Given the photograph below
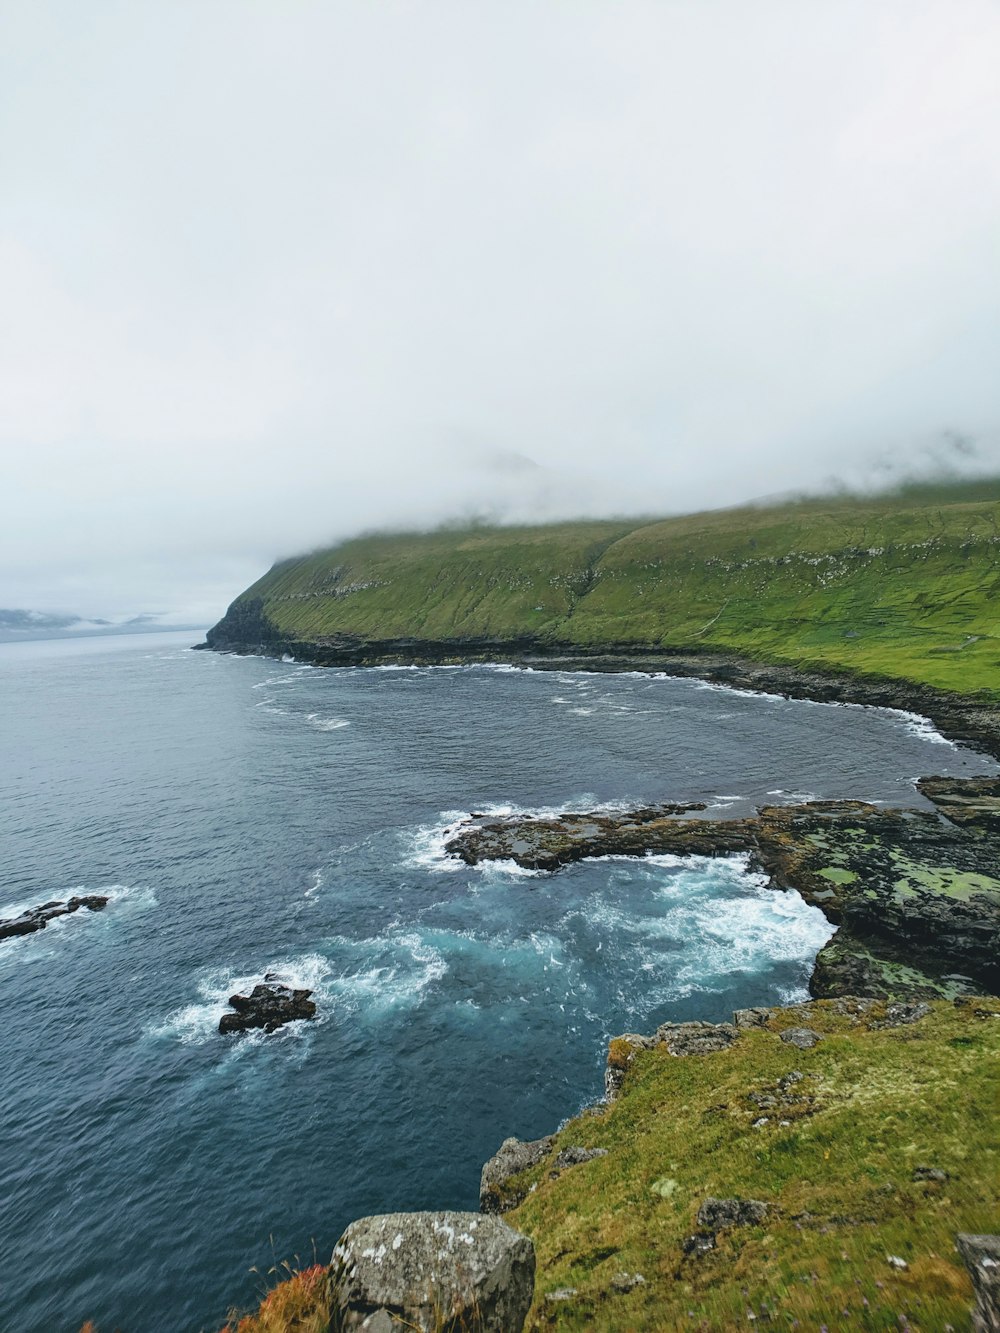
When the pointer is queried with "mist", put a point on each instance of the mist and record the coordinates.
(274, 274)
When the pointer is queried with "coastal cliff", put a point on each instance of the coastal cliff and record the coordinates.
(902, 588)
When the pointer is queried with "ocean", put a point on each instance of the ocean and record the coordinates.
(247, 816)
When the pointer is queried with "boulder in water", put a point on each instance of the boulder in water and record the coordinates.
(268, 1006)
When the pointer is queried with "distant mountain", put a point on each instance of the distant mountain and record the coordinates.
(17, 625)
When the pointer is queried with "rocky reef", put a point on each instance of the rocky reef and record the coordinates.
(915, 894)
(37, 918)
(268, 1006)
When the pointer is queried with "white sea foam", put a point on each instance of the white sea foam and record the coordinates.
(326, 723)
(717, 918)
(716, 688)
(921, 726)
(199, 1022)
(427, 844)
(384, 972)
(287, 678)
(268, 705)
(506, 668)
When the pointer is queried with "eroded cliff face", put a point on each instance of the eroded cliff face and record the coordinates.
(246, 628)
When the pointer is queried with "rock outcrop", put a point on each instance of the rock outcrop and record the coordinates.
(445, 1272)
(679, 1039)
(981, 1255)
(268, 1006)
(511, 1158)
(916, 899)
(720, 1214)
(37, 918)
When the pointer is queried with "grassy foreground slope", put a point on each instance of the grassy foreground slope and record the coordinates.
(870, 1151)
(841, 1142)
(905, 587)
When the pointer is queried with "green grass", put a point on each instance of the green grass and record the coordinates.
(904, 587)
(838, 1178)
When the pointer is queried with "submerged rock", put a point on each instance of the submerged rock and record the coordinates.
(268, 1006)
(443, 1271)
(512, 1157)
(37, 918)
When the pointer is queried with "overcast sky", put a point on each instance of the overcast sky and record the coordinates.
(275, 272)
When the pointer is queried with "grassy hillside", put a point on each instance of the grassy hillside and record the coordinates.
(837, 1160)
(906, 587)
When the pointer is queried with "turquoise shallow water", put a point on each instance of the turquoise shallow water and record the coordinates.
(249, 816)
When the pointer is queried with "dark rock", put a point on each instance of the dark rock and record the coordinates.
(764, 1101)
(511, 1158)
(37, 918)
(931, 1173)
(969, 802)
(574, 1156)
(981, 1256)
(268, 1006)
(700, 1243)
(719, 1214)
(448, 1272)
(916, 899)
(802, 1038)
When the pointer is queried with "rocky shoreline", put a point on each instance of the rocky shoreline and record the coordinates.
(915, 895)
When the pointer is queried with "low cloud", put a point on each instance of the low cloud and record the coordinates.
(278, 274)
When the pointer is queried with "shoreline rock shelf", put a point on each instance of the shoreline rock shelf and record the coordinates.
(914, 894)
(37, 918)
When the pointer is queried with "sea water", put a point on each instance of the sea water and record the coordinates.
(247, 816)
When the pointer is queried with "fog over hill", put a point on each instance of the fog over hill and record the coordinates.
(278, 275)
